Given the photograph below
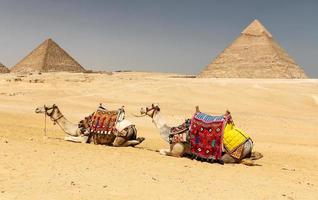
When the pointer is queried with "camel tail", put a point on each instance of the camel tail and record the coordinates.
(256, 155)
(251, 160)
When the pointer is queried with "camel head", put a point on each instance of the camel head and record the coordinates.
(52, 111)
(150, 111)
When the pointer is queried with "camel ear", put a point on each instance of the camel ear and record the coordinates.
(152, 105)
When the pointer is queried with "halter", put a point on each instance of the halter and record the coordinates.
(153, 109)
(53, 108)
(55, 120)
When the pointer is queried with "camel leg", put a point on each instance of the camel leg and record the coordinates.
(77, 139)
(176, 150)
(130, 138)
(165, 152)
(131, 143)
(122, 142)
(248, 146)
(228, 159)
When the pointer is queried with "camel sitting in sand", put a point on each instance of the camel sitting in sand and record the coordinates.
(125, 132)
(180, 149)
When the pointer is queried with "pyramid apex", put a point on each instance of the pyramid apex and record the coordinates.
(49, 40)
(256, 28)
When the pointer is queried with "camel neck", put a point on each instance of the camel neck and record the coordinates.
(161, 124)
(67, 126)
(158, 120)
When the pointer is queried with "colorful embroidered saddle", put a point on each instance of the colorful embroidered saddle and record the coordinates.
(206, 135)
(104, 122)
(180, 133)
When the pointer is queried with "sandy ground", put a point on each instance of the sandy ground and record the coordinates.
(280, 115)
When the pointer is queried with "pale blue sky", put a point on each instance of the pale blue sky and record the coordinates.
(154, 35)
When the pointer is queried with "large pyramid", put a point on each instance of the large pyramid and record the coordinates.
(3, 69)
(254, 54)
(48, 57)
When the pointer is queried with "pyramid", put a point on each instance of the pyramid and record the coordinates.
(3, 69)
(48, 57)
(254, 54)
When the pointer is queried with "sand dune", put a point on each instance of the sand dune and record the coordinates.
(280, 115)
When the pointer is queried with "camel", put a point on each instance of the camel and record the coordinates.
(126, 131)
(182, 149)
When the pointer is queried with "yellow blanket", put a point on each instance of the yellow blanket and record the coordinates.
(233, 138)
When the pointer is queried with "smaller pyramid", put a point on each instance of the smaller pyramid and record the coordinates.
(48, 57)
(3, 69)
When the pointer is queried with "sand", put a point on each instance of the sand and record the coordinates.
(280, 115)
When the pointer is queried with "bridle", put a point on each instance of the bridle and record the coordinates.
(54, 108)
(151, 111)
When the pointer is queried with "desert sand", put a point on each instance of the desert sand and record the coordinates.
(281, 116)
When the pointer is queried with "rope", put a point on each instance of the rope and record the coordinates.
(45, 124)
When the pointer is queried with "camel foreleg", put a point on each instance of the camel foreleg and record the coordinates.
(122, 142)
(77, 139)
(176, 150)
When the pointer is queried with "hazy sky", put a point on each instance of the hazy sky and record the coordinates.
(154, 35)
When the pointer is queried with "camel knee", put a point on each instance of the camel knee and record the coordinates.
(177, 150)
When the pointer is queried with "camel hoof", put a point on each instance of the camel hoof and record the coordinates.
(140, 139)
(163, 152)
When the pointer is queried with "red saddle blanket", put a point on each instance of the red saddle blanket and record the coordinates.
(104, 121)
(206, 135)
(180, 133)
